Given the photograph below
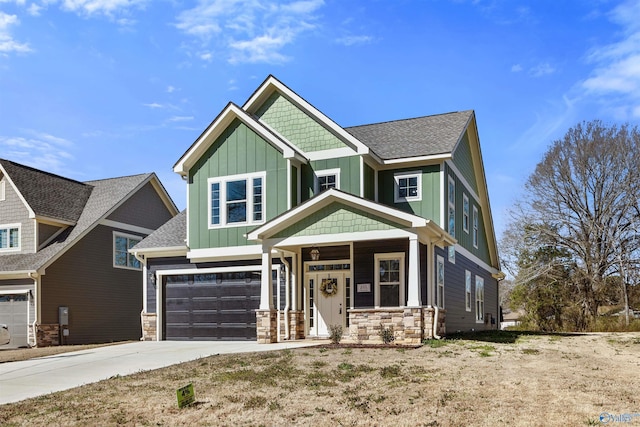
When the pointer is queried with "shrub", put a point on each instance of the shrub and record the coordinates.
(335, 333)
(387, 335)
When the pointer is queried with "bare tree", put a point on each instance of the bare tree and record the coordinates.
(583, 198)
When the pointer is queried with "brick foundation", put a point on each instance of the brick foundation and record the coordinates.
(48, 335)
(266, 326)
(149, 326)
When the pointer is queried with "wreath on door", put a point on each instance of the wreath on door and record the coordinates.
(329, 287)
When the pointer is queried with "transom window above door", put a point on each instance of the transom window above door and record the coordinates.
(326, 179)
(236, 200)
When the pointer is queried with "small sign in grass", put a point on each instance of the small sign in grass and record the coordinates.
(186, 396)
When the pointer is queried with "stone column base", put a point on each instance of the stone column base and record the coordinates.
(149, 326)
(48, 335)
(410, 325)
(428, 322)
(266, 326)
(296, 325)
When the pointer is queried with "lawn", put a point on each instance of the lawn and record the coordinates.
(489, 380)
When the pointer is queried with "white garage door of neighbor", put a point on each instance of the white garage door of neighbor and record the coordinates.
(13, 313)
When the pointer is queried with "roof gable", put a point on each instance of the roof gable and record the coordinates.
(47, 195)
(414, 138)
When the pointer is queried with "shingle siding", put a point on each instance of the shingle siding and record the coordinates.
(14, 211)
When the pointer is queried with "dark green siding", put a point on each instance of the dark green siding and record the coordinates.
(369, 182)
(428, 207)
(238, 150)
(349, 174)
(464, 162)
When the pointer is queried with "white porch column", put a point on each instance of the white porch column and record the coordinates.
(414, 299)
(430, 273)
(294, 281)
(266, 291)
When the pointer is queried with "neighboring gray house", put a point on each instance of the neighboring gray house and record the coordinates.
(294, 224)
(65, 273)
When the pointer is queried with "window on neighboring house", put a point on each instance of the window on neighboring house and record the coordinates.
(407, 187)
(440, 282)
(467, 290)
(389, 280)
(121, 256)
(10, 237)
(475, 227)
(479, 299)
(326, 179)
(465, 213)
(236, 200)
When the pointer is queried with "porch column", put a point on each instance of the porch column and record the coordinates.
(414, 299)
(266, 288)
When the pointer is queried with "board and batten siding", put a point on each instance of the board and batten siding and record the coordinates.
(428, 207)
(464, 162)
(238, 150)
(349, 175)
(104, 302)
(145, 209)
(458, 318)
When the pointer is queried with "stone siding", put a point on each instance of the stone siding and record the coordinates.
(149, 326)
(296, 325)
(48, 335)
(266, 326)
(410, 325)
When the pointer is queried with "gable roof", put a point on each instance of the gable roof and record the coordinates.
(417, 137)
(106, 196)
(48, 195)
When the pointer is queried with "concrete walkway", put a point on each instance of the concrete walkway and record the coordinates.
(36, 377)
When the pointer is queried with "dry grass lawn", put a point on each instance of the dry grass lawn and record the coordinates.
(501, 379)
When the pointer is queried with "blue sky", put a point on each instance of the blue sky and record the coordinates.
(100, 88)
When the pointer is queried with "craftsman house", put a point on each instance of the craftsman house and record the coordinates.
(294, 224)
(65, 273)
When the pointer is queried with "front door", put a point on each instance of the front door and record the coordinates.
(326, 301)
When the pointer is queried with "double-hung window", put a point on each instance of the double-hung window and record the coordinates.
(475, 227)
(236, 200)
(479, 299)
(389, 280)
(467, 290)
(121, 256)
(10, 237)
(326, 179)
(407, 187)
(451, 202)
(465, 213)
(440, 282)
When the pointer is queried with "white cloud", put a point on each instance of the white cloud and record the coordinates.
(7, 43)
(249, 30)
(170, 89)
(154, 105)
(616, 76)
(541, 70)
(181, 118)
(42, 151)
(104, 7)
(354, 40)
(516, 68)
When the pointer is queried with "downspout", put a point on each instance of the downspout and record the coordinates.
(287, 296)
(34, 324)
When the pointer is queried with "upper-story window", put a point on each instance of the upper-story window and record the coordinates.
(236, 200)
(475, 227)
(407, 187)
(10, 237)
(2, 190)
(121, 256)
(451, 202)
(326, 179)
(465, 213)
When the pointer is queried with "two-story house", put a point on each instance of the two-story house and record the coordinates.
(294, 224)
(66, 276)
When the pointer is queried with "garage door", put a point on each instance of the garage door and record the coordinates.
(13, 313)
(211, 306)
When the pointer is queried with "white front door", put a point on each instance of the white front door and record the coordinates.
(326, 301)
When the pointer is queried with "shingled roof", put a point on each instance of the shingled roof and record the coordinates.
(171, 234)
(48, 195)
(106, 196)
(421, 136)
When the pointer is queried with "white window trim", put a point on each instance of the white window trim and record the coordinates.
(9, 227)
(475, 227)
(467, 290)
(322, 173)
(479, 299)
(127, 236)
(222, 180)
(387, 257)
(465, 212)
(396, 186)
(440, 261)
(3, 189)
(451, 204)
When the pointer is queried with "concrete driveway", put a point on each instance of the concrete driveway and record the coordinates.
(35, 377)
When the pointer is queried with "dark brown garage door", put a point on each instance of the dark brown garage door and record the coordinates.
(211, 306)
